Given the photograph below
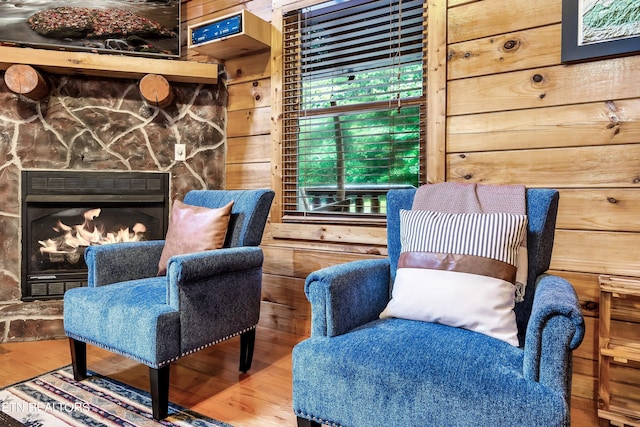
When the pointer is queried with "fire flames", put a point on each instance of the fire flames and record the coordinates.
(89, 233)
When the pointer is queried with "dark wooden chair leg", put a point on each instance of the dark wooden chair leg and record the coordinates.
(159, 391)
(247, 342)
(78, 359)
(303, 422)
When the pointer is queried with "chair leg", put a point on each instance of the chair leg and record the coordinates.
(303, 422)
(78, 359)
(159, 391)
(247, 342)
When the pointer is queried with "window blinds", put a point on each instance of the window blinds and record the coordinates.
(353, 107)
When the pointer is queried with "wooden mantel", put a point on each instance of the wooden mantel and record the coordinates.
(104, 65)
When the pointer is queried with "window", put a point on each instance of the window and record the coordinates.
(353, 106)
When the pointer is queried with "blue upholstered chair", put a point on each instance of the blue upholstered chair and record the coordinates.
(204, 298)
(359, 370)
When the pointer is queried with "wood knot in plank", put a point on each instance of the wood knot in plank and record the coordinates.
(511, 45)
(537, 78)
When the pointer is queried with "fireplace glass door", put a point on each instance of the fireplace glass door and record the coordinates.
(57, 228)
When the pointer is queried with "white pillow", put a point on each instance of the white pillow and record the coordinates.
(459, 270)
(470, 301)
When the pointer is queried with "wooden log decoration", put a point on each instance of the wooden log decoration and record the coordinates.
(27, 81)
(156, 90)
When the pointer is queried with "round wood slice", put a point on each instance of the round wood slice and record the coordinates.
(25, 80)
(156, 90)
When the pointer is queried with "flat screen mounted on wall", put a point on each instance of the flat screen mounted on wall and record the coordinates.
(136, 27)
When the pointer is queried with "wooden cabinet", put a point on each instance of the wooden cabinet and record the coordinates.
(619, 358)
(231, 36)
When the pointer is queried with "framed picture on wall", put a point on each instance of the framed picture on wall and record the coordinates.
(598, 29)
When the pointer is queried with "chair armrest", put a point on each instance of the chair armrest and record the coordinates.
(119, 262)
(555, 329)
(348, 295)
(190, 269)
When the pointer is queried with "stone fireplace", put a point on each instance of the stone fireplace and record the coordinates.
(85, 125)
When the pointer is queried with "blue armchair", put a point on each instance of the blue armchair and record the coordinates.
(359, 370)
(206, 297)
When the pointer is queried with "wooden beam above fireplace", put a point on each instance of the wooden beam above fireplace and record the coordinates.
(114, 66)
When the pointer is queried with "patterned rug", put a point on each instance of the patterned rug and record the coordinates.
(56, 399)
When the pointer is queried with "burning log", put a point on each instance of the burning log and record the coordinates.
(25, 80)
(72, 240)
(156, 90)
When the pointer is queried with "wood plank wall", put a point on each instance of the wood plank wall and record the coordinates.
(514, 114)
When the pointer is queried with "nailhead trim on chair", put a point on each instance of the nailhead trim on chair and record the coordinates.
(166, 362)
(207, 345)
(316, 419)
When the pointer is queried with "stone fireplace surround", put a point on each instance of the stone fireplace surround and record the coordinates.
(96, 124)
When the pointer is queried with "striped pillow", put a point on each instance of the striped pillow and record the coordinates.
(459, 270)
(485, 244)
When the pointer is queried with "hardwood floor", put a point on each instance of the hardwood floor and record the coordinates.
(207, 381)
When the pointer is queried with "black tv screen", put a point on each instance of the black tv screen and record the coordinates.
(135, 27)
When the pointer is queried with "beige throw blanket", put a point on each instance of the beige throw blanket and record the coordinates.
(456, 198)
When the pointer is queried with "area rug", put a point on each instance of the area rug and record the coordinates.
(56, 399)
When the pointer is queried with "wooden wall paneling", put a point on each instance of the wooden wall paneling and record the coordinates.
(611, 209)
(331, 233)
(285, 304)
(598, 166)
(583, 412)
(453, 3)
(306, 262)
(197, 10)
(241, 70)
(288, 291)
(596, 252)
(583, 385)
(532, 48)
(249, 122)
(285, 318)
(278, 261)
(585, 362)
(203, 10)
(436, 96)
(244, 176)
(545, 87)
(490, 17)
(615, 121)
(585, 379)
(276, 110)
(249, 95)
(518, 115)
(255, 148)
(588, 350)
(370, 251)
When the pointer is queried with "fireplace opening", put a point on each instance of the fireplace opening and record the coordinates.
(64, 212)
